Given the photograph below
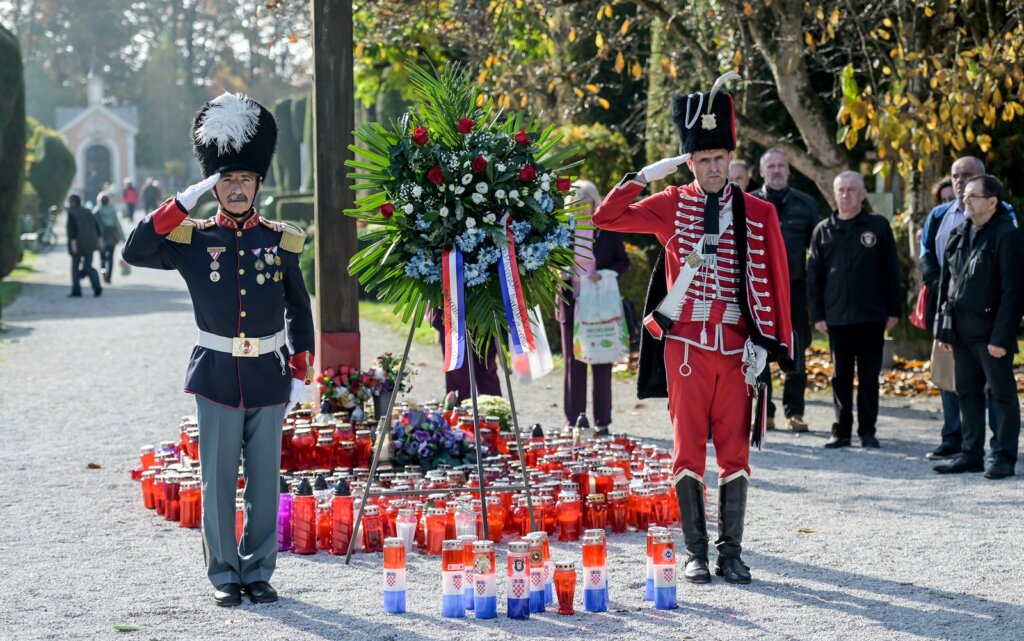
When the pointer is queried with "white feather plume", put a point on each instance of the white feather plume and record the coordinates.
(230, 122)
(724, 78)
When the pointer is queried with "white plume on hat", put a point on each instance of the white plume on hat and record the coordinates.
(229, 122)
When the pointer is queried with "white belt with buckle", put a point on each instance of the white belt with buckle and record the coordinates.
(244, 346)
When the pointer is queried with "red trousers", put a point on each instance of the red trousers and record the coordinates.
(707, 388)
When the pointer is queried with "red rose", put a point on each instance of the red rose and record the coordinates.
(387, 209)
(478, 165)
(563, 184)
(329, 373)
(522, 138)
(465, 125)
(323, 390)
(420, 136)
(319, 378)
(337, 380)
(527, 173)
(435, 176)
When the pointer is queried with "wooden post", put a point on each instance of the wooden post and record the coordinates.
(337, 293)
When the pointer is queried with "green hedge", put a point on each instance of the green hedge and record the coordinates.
(12, 149)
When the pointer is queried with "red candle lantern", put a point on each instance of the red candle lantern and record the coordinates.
(565, 586)
(304, 520)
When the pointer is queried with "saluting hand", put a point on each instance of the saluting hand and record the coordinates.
(190, 196)
(663, 168)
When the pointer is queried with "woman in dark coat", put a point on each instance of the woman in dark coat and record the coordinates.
(596, 250)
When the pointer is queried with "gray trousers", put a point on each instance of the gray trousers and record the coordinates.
(227, 435)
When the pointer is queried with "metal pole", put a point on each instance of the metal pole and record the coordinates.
(519, 440)
(379, 445)
(476, 434)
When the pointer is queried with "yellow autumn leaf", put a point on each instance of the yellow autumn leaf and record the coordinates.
(625, 27)
(592, 88)
(886, 70)
(572, 35)
(808, 39)
(599, 41)
(579, 92)
(604, 103)
(607, 11)
(620, 62)
(820, 13)
(887, 22)
(480, 100)
(928, 12)
(883, 34)
(600, 13)
(522, 103)
(551, 85)
(359, 50)
(637, 70)
(483, 76)
(834, 18)
(737, 58)
(748, 9)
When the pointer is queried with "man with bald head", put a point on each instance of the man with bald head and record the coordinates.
(853, 287)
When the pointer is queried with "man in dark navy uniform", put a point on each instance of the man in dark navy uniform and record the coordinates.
(254, 351)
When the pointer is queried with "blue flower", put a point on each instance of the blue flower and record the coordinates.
(488, 255)
(476, 274)
(422, 268)
(469, 239)
(520, 229)
(533, 256)
(422, 224)
(546, 204)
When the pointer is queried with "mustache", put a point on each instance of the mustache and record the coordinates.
(238, 198)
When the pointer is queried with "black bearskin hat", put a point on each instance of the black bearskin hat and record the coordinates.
(233, 132)
(706, 120)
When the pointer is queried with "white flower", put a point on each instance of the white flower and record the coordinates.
(443, 212)
(470, 223)
(408, 208)
(490, 218)
(537, 194)
(450, 187)
(501, 166)
(500, 194)
(465, 164)
(477, 198)
(520, 203)
(460, 189)
(545, 186)
(417, 191)
(481, 188)
(468, 178)
(545, 177)
(514, 194)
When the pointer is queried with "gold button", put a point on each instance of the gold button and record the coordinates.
(242, 314)
(241, 252)
(241, 272)
(243, 292)
(238, 233)
(241, 334)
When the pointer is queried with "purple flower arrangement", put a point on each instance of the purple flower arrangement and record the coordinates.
(423, 437)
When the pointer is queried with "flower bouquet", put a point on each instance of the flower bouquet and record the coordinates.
(422, 437)
(467, 212)
(344, 387)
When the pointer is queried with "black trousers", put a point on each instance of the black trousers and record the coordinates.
(107, 261)
(857, 347)
(81, 266)
(574, 388)
(974, 368)
(795, 384)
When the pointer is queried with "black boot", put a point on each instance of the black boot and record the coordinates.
(732, 509)
(690, 494)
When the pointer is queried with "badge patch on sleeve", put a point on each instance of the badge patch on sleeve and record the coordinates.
(868, 239)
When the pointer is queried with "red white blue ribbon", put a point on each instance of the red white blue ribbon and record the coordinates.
(453, 292)
(512, 293)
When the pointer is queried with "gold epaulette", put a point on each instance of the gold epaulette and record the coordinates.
(292, 238)
(182, 233)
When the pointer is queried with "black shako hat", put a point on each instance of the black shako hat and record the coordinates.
(706, 120)
(233, 132)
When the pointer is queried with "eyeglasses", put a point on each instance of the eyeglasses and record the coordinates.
(974, 197)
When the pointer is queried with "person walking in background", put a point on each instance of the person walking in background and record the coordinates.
(83, 233)
(151, 194)
(980, 302)
(596, 251)
(798, 214)
(854, 290)
(110, 232)
(739, 174)
(130, 198)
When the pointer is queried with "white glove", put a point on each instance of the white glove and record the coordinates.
(663, 168)
(188, 198)
(754, 360)
(298, 389)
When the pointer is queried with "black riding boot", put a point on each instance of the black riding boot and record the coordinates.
(732, 509)
(690, 494)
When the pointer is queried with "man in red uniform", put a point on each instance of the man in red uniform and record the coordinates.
(715, 318)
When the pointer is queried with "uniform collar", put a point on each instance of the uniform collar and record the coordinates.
(228, 222)
(696, 191)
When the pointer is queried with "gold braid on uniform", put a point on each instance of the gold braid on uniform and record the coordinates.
(182, 233)
(292, 238)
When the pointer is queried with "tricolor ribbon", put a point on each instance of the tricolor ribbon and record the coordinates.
(512, 293)
(453, 293)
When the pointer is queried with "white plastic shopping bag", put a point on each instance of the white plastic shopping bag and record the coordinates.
(599, 327)
(530, 366)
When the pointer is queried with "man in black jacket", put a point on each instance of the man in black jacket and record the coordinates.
(980, 307)
(853, 286)
(84, 239)
(798, 214)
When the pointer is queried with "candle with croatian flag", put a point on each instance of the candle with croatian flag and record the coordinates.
(549, 570)
(664, 554)
(467, 566)
(485, 602)
(394, 575)
(649, 588)
(452, 576)
(518, 587)
(595, 574)
(536, 574)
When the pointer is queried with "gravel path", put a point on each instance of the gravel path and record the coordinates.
(843, 545)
